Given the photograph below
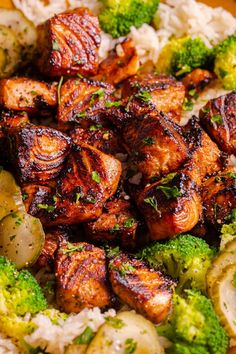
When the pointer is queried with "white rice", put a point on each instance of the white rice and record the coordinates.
(7, 346)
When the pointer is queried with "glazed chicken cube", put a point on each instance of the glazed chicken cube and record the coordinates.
(38, 153)
(171, 205)
(197, 80)
(144, 290)
(10, 120)
(154, 141)
(68, 44)
(117, 224)
(121, 63)
(103, 139)
(219, 197)
(218, 117)
(164, 92)
(24, 94)
(83, 101)
(81, 277)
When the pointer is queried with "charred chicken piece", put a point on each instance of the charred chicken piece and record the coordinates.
(10, 120)
(38, 153)
(154, 141)
(121, 63)
(205, 155)
(103, 139)
(171, 205)
(83, 101)
(143, 289)
(81, 277)
(117, 224)
(68, 44)
(24, 94)
(197, 80)
(218, 117)
(219, 197)
(53, 239)
(164, 92)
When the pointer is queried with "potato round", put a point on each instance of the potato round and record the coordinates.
(21, 238)
(127, 332)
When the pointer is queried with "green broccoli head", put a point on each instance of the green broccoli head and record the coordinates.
(193, 327)
(118, 16)
(185, 258)
(182, 55)
(19, 291)
(225, 62)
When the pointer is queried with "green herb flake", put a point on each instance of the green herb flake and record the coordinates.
(95, 127)
(232, 175)
(90, 199)
(77, 197)
(55, 45)
(130, 346)
(110, 104)
(125, 268)
(112, 251)
(85, 337)
(217, 119)
(188, 104)
(148, 141)
(48, 208)
(151, 201)
(71, 248)
(99, 94)
(59, 89)
(170, 192)
(114, 322)
(168, 178)
(129, 223)
(206, 110)
(34, 93)
(96, 177)
(115, 228)
(25, 196)
(81, 114)
(143, 96)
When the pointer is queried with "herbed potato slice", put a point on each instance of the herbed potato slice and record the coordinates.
(23, 28)
(11, 50)
(21, 238)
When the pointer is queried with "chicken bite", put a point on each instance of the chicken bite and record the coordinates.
(24, 94)
(143, 289)
(163, 91)
(218, 117)
(197, 80)
(68, 44)
(81, 277)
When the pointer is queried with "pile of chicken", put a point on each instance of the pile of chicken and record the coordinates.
(72, 180)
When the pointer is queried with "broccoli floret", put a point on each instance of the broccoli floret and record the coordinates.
(19, 291)
(118, 16)
(185, 258)
(225, 62)
(228, 233)
(182, 55)
(193, 327)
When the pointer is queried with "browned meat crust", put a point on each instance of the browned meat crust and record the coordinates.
(24, 94)
(166, 93)
(197, 80)
(41, 152)
(218, 117)
(81, 277)
(121, 63)
(68, 44)
(83, 101)
(143, 289)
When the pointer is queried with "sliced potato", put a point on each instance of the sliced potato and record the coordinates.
(11, 49)
(21, 238)
(225, 258)
(10, 203)
(8, 183)
(127, 332)
(23, 28)
(223, 297)
(3, 60)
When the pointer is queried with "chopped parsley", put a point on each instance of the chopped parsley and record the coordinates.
(48, 208)
(217, 119)
(110, 104)
(97, 94)
(129, 222)
(90, 199)
(25, 196)
(55, 45)
(193, 93)
(95, 127)
(170, 192)
(231, 216)
(188, 104)
(85, 337)
(115, 228)
(81, 114)
(96, 177)
(148, 141)
(143, 96)
(125, 268)
(77, 197)
(206, 110)
(232, 175)
(71, 248)
(130, 346)
(18, 221)
(59, 89)
(168, 178)
(151, 201)
(114, 322)
(112, 252)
